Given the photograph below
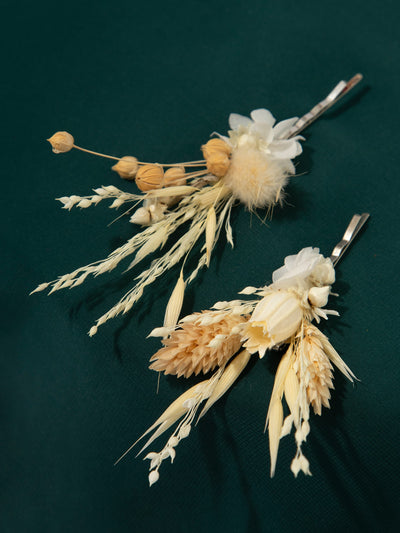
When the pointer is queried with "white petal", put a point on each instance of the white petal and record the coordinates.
(235, 121)
(263, 130)
(263, 116)
(285, 149)
(283, 126)
(296, 267)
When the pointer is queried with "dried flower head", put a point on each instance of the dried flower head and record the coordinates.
(61, 142)
(126, 167)
(274, 320)
(261, 157)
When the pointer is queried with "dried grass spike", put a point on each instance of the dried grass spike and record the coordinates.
(187, 350)
(175, 304)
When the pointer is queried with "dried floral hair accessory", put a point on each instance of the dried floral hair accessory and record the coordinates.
(224, 338)
(251, 165)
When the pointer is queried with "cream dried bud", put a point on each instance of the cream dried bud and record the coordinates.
(61, 142)
(216, 153)
(318, 296)
(275, 319)
(323, 273)
(126, 167)
(149, 177)
(174, 176)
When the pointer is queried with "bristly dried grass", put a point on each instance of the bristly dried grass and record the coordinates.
(319, 371)
(194, 208)
(185, 408)
(174, 305)
(199, 348)
(304, 377)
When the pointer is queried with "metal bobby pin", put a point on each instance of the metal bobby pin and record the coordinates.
(342, 88)
(356, 223)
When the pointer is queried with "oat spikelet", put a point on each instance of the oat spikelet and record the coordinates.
(175, 303)
(197, 347)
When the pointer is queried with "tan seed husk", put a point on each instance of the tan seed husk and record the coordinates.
(126, 167)
(174, 176)
(61, 142)
(149, 177)
(216, 146)
(216, 153)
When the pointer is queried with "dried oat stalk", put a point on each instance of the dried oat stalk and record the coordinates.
(199, 346)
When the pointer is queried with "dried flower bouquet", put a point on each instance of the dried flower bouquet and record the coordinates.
(277, 315)
(251, 165)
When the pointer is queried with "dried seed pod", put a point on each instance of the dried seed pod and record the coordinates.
(149, 177)
(126, 167)
(174, 176)
(216, 153)
(218, 164)
(216, 146)
(61, 142)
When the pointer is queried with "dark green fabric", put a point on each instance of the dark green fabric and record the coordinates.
(154, 80)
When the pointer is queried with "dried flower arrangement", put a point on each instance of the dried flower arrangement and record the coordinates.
(278, 315)
(251, 165)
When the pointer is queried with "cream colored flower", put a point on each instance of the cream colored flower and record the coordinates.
(260, 131)
(261, 159)
(275, 320)
(304, 269)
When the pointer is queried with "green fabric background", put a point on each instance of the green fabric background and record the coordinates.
(154, 80)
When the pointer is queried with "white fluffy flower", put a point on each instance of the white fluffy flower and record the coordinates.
(261, 159)
(297, 268)
(305, 269)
